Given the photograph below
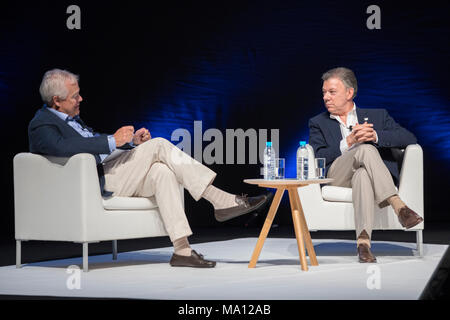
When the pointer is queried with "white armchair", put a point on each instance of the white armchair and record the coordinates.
(59, 199)
(331, 208)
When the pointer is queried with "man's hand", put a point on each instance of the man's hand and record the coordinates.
(141, 136)
(124, 135)
(361, 133)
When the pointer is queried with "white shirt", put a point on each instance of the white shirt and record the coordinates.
(352, 120)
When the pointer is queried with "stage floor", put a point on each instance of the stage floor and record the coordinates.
(145, 274)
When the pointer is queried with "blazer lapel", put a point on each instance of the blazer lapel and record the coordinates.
(361, 114)
(334, 129)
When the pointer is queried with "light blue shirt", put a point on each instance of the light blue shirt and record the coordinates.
(85, 132)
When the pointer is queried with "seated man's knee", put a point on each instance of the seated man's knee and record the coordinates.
(366, 148)
(154, 142)
(159, 139)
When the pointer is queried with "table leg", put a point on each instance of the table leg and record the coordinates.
(267, 224)
(306, 234)
(298, 230)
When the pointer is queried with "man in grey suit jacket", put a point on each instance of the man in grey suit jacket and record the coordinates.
(356, 143)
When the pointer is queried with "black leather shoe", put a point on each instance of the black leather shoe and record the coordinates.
(245, 205)
(195, 260)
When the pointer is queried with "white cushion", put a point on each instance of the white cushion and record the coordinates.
(338, 194)
(129, 203)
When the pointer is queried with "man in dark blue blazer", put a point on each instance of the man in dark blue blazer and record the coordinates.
(153, 167)
(49, 134)
(357, 145)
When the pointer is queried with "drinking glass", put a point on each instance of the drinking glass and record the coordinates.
(279, 168)
(320, 168)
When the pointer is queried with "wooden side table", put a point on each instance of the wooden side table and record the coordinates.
(300, 226)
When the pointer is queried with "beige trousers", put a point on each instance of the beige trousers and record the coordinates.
(157, 168)
(363, 170)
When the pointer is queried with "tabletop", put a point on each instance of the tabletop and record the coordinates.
(286, 182)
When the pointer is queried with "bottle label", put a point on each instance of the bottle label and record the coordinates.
(302, 168)
(269, 165)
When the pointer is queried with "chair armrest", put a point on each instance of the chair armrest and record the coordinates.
(411, 178)
(52, 194)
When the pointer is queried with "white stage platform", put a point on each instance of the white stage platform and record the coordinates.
(399, 273)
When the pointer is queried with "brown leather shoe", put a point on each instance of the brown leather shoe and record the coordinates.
(365, 255)
(245, 205)
(195, 260)
(408, 218)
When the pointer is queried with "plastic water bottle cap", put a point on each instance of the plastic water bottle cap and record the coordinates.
(302, 143)
(268, 144)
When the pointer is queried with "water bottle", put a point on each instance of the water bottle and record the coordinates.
(269, 162)
(302, 161)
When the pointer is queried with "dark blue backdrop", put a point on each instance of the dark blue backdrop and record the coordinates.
(243, 64)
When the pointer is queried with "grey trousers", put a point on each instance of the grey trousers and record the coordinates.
(363, 170)
(157, 168)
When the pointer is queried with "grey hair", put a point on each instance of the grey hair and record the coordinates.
(346, 75)
(53, 84)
